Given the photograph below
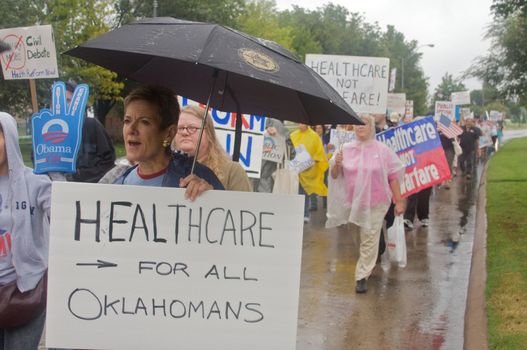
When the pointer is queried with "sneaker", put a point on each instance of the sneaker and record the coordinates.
(306, 220)
(425, 222)
(408, 224)
(361, 286)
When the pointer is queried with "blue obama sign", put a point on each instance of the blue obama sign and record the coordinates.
(57, 132)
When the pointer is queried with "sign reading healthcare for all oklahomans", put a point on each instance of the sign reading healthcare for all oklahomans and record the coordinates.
(253, 127)
(361, 81)
(418, 146)
(32, 54)
(57, 132)
(133, 267)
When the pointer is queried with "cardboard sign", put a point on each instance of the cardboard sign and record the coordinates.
(361, 81)
(445, 108)
(32, 54)
(134, 267)
(274, 148)
(339, 137)
(418, 146)
(253, 127)
(302, 160)
(460, 98)
(396, 104)
(57, 132)
(409, 109)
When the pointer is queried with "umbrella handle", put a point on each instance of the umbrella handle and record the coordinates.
(205, 115)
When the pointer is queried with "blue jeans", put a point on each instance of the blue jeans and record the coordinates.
(306, 200)
(24, 337)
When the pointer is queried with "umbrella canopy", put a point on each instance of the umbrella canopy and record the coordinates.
(233, 71)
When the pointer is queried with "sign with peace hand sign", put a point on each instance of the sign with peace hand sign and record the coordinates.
(57, 132)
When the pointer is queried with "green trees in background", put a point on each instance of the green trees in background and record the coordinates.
(330, 29)
(504, 69)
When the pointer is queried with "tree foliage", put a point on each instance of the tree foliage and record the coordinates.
(448, 85)
(330, 29)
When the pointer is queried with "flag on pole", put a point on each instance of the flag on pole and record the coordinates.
(448, 128)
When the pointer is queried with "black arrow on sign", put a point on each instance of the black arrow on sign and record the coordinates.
(99, 264)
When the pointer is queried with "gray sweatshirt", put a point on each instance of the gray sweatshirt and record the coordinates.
(30, 197)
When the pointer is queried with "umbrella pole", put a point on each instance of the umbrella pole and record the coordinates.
(205, 115)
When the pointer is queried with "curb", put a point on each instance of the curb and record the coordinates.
(475, 330)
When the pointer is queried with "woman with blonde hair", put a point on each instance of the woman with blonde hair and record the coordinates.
(370, 173)
(211, 153)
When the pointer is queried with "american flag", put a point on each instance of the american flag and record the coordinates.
(448, 128)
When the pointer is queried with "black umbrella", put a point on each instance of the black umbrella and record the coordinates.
(227, 69)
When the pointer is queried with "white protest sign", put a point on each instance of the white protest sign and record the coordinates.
(253, 128)
(460, 98)
(361, 81)
(32, 54)
(339, 137)
(396, 104)
(134, 267)
(302, 160)
(409, 109)
(443, 108)
(274, 148)
(495, 115)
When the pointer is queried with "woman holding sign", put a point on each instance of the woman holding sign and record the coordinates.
(211, 153)
(25, 200)
(150, 122)
(370, 173)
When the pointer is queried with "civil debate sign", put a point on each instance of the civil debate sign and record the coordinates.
(143, 268)
(32, 54)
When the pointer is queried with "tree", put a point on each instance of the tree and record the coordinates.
(444, 90)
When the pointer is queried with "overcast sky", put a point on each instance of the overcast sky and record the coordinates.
(455, 27)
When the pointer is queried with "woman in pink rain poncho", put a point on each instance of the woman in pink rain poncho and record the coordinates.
(370, 173)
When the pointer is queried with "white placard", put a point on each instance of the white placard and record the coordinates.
(460, 98)
(409, 109)
(361, 81)
(134, 267)
(32, 54)
(274, 148)
(396, 103)
(339, 137)
(444, 108)
(302, 160)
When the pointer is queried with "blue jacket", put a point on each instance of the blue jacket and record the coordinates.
(179, 168)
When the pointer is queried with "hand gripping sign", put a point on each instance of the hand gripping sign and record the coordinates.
(57, 132)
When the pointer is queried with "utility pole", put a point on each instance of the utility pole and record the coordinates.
(155, 9)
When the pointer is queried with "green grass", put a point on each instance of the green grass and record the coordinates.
(506, 291)
(26, 144)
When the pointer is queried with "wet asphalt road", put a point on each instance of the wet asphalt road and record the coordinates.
(420, 306)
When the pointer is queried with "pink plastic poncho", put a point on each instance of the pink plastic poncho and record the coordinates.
(368, 168)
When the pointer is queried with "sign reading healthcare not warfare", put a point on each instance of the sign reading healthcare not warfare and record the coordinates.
(418, 146)
(134, 267)
(253, 127)
(32, 54)
(57, 132)
(361, 81)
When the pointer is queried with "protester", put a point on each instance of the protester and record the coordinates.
(418, 204)
(370, 173)
(448, 147)
(150, 122)
(468, 141)
(211, 153)
(96, 153)
(25, 200)
(311, 179)
(275, 128)
(324, 137)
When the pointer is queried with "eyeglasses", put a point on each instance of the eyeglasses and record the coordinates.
(190, 129)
